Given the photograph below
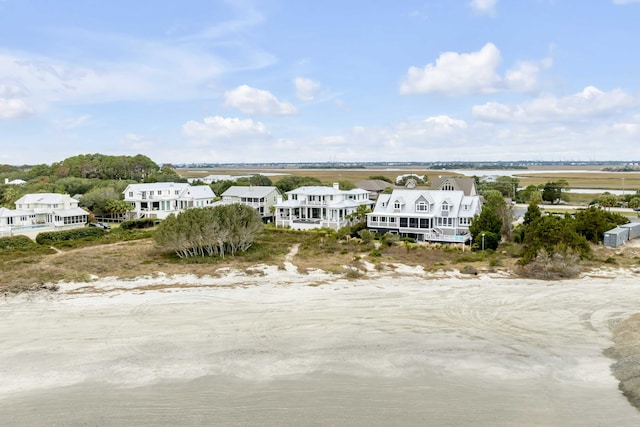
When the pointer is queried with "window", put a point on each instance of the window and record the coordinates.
(392, 220)
(403, 222)
(130, 193)
(465, 207)
(422, 207)
(445, 206)
(447, 186)
(465, 221)
(396, 205)
(150, 193)
(413, 222)
(159, 192)
(424, 223)
(374, 218)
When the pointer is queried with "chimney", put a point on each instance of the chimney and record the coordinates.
(6, 180)
(336, 185)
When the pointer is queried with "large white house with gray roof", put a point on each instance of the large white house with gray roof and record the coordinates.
(320, 207)
(425, 215)
(161, 199)
(261, 198)
(42, 210)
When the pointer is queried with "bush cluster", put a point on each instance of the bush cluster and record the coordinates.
(139, 223)
(16, 243)
(47, 237)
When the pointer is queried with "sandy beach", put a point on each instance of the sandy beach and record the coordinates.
(281, 348)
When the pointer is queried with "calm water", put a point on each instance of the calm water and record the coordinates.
(404, 352)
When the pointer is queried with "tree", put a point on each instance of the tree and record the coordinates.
(9, 196)
(494, 201)
(97, 199)
(555, 191)
(634, 202)
(533, 213)
(360, 215)
(487, 221)
(554, 235)
(531, 194)
(292, 182)
(210, 231)
(117, 207)
(607, 200)
(260, 181)
(592, 223)
(220, 187)
(345, 184)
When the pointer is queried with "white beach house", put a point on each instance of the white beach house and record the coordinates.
(425, 215)
(43, 210)
(261, 198)
(320, 207)
(161, 199)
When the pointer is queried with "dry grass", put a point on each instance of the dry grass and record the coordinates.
(317, 251)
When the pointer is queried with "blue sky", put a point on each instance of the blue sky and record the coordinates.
(295, 80)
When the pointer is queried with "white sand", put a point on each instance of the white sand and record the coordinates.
(280, 348)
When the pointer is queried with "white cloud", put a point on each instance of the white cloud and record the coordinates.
(472, 73)
(224, 129)
(487, 7)
(250, 100)
(585, 105)
(456, 74)
(306, 89)
(12, 108)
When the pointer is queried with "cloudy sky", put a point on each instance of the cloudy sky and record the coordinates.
(297, 80)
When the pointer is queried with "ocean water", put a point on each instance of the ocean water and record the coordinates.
(405, 351)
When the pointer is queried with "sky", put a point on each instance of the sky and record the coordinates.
(212, 81)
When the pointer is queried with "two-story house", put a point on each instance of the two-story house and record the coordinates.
(44, 210)
(161, 199)
(320, 207)
(262, 198)
(425, 215)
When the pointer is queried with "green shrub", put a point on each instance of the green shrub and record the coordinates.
(16, 243)
(48, 237)
(139, 223)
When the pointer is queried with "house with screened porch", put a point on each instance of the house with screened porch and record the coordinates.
(161, 199)
(320, 207)
(425, 215)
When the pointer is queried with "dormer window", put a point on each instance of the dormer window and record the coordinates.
(465, 207)
(396, 205)
(422, 207)
(447, 186)
(445, 207)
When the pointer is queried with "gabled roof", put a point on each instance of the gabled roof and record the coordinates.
(375, 185)
(252, 191)
(44, 198)
(316, 190)
(154, 186)
(201, 192)
(464, 184)
(409, 199)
